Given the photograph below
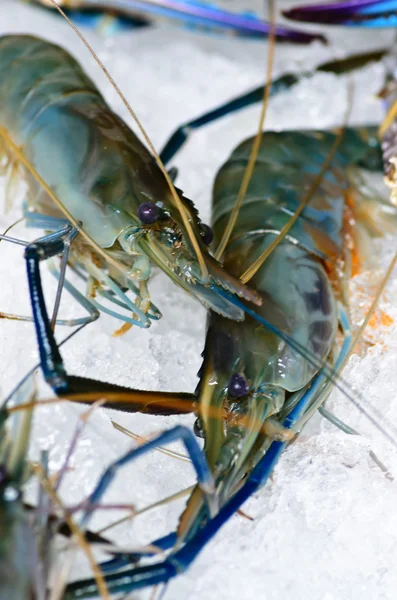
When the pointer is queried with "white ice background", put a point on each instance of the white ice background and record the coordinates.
(325, 526)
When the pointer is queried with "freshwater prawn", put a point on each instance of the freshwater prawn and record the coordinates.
(88, 174)
(305, 221)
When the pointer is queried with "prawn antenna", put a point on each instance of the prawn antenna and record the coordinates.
(256, 265)
(257, 142)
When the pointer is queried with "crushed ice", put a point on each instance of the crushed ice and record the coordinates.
(326, 526)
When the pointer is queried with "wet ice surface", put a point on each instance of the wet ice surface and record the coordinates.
(326, 526)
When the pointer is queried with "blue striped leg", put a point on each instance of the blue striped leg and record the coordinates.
(178, 433)
(50, 358)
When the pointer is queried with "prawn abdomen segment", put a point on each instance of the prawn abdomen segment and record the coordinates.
(306, 298)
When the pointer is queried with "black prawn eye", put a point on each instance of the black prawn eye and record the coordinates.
(198, 429)
(148, 213)
(207, 235)
(238, 386)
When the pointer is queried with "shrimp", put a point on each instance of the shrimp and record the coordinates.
(260, 383)
(249, 404)
(27, 532)
(82, 162)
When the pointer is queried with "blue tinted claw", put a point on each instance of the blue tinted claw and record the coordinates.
(352, 13)
(200, 14)
(132, 13)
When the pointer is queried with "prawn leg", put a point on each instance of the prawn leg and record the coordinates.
(36, 220)
(178, 433)
(254, 96)
(51, 360)
(179, 560)
(42, 221)
(93, 313)
(88, 391)
(350, 13)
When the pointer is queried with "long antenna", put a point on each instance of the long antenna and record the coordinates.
(257, 142)
(174, 193)
(256, 265)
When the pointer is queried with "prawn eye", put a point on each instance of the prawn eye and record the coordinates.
(207, 235)
(238, 386)
(148, 213)
(198, 429)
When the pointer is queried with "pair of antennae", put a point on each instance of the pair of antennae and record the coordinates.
(257, 141)
(250, 272)
(254, 153)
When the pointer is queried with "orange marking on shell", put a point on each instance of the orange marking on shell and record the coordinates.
(349, 222)
(350, 199)
(380, 319)
(355, 261)
(322, 241)
(386, 320)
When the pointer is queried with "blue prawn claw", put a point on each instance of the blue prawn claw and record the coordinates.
(352, 13)
(192, 13)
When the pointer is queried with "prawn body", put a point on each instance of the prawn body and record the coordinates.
(251, 377)
(260, 376)
(103, 176)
